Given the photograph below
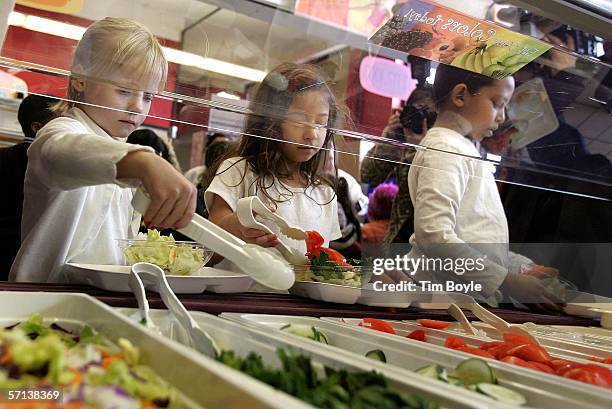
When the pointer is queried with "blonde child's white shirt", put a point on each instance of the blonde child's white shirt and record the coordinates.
(314, 208)
(74, 206)
(456, 201)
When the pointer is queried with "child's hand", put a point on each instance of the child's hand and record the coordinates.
(173, 198)
(223, 216)
(531, 292)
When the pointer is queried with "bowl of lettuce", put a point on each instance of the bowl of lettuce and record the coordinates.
(174, 257)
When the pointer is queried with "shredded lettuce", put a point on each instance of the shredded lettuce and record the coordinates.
(163, 251)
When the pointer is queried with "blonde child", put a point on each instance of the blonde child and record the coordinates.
(458, 212)
(78, 183)
(291, 109)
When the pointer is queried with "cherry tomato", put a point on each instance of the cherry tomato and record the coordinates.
(314, 241)
(435, 324)
(501, 351)
(558, 363)
(519, 362)
(378, 325)
(454, 343)
(582, 374)
(418, 334)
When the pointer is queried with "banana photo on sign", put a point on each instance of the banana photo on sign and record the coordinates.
(440, 34)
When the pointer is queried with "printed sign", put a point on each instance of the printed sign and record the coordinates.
(437, 33)
(59, 6)
(385, 77)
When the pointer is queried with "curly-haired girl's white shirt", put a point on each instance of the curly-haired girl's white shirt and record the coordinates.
(74, 207)
(314, 208)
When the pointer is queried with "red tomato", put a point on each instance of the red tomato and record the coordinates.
(586, 376)
(607, 360)
(519, 362)
(454, 343)
(563, 369)
(530, 352)
(517, 339)
(542, 367)
(489, 345)
(476, 351)
(557, 363)
(435, 324)
(333, 255)
(378, 325)
(314, 241)
(501, 351)
(418, 334)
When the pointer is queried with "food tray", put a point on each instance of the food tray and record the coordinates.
(564, 346)
(243, 339)
(115, 278)
(585, 305)
(217, 386)
(438, 337)
(541, 392)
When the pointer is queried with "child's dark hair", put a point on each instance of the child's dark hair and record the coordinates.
(35, 108)
(447, 77)
(269, 106)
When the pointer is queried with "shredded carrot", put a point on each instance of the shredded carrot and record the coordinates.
(109, 359)
(7, 357)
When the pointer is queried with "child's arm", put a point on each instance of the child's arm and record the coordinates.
(66, 156)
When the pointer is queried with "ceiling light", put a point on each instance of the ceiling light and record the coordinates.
(74, 32)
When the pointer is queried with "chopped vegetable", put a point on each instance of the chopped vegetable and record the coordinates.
(376, 355)
(435, 324)
(417, 334)
(339, 389)
(305, 331)
(501, 394)
(90, 370)
(378, 325)
(163, 251)
(454, 342)
(473, 371)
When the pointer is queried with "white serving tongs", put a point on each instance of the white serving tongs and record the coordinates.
(244, 210)
(154, 276)
(261, 264)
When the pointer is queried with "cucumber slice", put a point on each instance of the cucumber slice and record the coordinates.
(453, 380)
(377, 355)
(305, 331)
(501, 394)
(473, 371)
(434, 372)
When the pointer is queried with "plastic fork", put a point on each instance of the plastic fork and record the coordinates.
(244, 210)
(498, 323)
(143, 305)
(261, 264)
(153, 275)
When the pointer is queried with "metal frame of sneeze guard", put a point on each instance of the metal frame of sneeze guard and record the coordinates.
(259, 263)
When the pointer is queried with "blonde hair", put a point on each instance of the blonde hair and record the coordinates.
(106, 47)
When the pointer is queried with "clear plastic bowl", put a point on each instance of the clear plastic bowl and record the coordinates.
(174, 257)
(352, 276)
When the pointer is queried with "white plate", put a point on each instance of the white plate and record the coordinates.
(115, 278)
(340, 294)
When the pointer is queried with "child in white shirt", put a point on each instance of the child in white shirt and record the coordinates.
(77, 196)
(280, 158)
(458, 211)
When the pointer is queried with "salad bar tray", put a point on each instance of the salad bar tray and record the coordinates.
(240, 340)
(197, 381)
(409, 355)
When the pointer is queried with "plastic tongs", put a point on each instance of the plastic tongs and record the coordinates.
(259, 263)
(496, 322)
(154, 276)
(245, 208)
